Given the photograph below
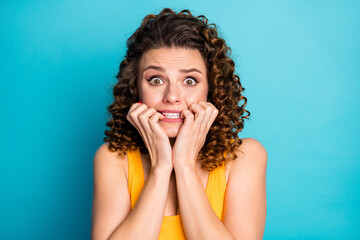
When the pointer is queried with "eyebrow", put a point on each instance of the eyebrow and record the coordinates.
(181, 70)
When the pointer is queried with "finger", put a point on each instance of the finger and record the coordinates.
(134, 111)
(209, 108)
(133, 118)
(207, 104)
(188, 117)
(214, 113)
(131, 115)
(154, 122)
(200, 113)
(134, 105)
(211, 113)
(143, 118)
(213, 117)
(138, 108)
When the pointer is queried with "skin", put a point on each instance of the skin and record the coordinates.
(174, 182)
(173, 79)
(170, 88)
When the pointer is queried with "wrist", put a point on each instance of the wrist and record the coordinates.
(162, 169)
(184, 167)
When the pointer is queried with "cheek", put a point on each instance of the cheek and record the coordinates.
(196, 97)
(150, 98)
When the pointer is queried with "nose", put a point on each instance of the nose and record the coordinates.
(172, 94)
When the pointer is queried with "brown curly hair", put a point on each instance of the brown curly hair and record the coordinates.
(171, 29)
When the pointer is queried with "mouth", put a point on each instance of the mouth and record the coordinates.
(171, 116)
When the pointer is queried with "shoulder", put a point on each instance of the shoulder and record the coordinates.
(103, 152)
(245, 198)
(107, 160)
(250, 154)
(253, 147)
(111, 198)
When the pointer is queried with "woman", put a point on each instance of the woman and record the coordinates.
(173, 147)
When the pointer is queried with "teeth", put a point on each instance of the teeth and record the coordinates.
(172, 115)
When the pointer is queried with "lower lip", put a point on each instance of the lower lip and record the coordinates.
(172, 120)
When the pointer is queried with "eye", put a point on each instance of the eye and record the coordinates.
(190, 81)
(155, 80)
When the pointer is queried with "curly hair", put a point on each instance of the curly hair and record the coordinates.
(171, 29)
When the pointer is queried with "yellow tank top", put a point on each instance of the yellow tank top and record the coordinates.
(172, 226)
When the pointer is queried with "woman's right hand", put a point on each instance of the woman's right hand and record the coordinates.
(146, 121)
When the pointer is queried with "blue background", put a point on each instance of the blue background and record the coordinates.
(298, 61)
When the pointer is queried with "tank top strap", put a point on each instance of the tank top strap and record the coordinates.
(215, 189)
(136, 175)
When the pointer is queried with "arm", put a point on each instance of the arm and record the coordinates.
(198, 218)
(245, 200)
(112, 217)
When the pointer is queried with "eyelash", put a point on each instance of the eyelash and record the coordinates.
(189, 77)
(195, 80)
(153, 77)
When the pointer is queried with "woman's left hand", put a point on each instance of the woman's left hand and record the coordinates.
(192, 134)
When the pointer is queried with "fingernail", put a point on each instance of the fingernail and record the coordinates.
(139, 101)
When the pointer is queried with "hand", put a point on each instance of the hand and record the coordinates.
(192, 134)
(146, 121)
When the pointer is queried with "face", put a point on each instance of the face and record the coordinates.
(170, 80)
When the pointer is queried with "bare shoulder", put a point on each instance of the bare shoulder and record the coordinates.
(251, 146)
(109, 167)
(105, 158)
(250, 153)
(103, 152)
(245, 199)
(111, 199)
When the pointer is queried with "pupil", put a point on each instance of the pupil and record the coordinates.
(189, 82)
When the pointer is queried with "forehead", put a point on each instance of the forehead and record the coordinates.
(177, 58)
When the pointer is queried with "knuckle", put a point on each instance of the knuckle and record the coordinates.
(148, 112)
(152, 120)
(141, 117)
(132, 115)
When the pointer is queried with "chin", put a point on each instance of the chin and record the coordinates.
(171, 130)
(172, 133)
